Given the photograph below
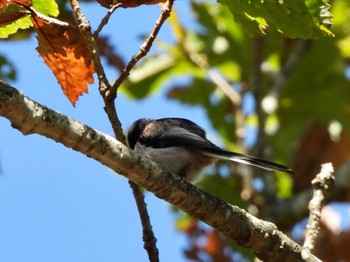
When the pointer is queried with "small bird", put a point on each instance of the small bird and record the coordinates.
(181, 147)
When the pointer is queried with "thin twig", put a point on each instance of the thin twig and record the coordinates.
(200, 60)
(285, 213)
(149, 239)
(50, 20)
(105, 19)
(144, 49)
(220, 81)
(110, 109)
(85, 30)
(322, 184)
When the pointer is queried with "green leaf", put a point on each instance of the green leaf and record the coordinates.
(293, 18)
(284, 185)
(154, 72)
(46, 7)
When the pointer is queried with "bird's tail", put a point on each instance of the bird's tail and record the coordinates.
(249, 160)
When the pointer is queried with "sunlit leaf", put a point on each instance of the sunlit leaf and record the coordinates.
(46, 7)
(66, 53)
(293, 18)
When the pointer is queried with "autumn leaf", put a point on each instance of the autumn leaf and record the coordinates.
(10, 17)
(13, 16)
(25, 3)
(129, 3)
(65, 52)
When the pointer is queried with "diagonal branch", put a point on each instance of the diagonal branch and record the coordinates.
(110, 109)
(106, 19)
(144, 49)
(263, 237)
(286, 213)
(322, 185)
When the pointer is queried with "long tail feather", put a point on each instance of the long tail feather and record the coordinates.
(249, 160)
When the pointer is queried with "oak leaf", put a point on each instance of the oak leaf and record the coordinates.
(67, 55)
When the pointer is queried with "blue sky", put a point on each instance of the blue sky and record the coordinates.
(58, 205)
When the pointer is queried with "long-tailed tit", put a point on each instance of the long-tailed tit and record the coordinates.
(181, 147)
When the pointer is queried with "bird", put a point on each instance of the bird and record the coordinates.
(181, 147)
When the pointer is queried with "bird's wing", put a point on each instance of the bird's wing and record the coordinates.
(179, 136)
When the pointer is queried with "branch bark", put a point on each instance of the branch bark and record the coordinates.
(263, 237)
(284, 214)
(322, 185)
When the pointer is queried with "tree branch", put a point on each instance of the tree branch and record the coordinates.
(263, 237)
(104, 85)
(144, 49)
(322, 184)
(285, 213)
(149, 239)
(105, 19)
(110, 109)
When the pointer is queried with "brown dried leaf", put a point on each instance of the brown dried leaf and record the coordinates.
(105, 3)
(11, 12)
(129, 3)
(65, 52)
(26, 3)
(331, 246)
(215, 247)
(10, 17)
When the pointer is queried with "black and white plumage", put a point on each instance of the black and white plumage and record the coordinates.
(180, 146)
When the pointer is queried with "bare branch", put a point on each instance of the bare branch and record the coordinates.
(222, 83)
(215, 76)
(263, 237)
(148, 236)
(288, 212)
(200, 60)
(105, 20)
(110, 109)
(322, 184)
(50, 20)
(85, 29)
(144, 49)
